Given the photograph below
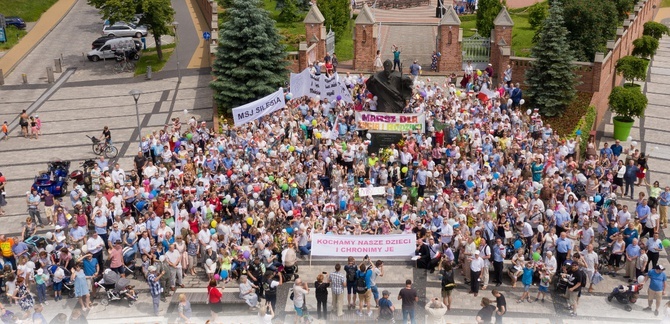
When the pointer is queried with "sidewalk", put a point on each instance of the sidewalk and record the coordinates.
(42, 28)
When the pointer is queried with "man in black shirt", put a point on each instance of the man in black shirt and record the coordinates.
(575, 279)
(501, 304)
(140, 162)
(106, 135)
(423, 251)
(409, 297)
(486, 313)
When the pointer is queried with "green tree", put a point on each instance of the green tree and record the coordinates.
(590, 26)
(627, 103)
(631, 68)
(537, 13)
(551, 78)
(645, 46)
(655, 29)
(250, 60)
(487, 11)
(624, 7)
(157, 15)
(336, 13)
(289, 12)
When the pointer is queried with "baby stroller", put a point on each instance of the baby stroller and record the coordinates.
(36, 243)
(116, 288)
(129, 259)
(68, 285)
(626, 295)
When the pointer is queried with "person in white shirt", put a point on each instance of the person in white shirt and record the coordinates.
(591, 260)
(476, 266)
(550, 262)
(95, 244)
(623, 217)
(118, 175)
(173, 257)
(586, 235)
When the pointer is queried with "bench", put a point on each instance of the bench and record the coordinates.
(200, 297)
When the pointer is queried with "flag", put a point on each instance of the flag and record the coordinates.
(439, 125)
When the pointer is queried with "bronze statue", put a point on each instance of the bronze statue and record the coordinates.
(392, 89)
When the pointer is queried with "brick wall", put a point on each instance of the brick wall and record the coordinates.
(450, 48)
(365, 47)
(206, 9)
(599, 77)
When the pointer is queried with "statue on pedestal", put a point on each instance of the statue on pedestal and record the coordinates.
(392, 89)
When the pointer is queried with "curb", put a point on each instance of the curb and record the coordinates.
(51, 28)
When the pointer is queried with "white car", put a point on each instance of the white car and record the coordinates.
(121, 29)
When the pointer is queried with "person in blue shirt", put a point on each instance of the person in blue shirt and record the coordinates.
(563, 249)
(616, 149)
(527, 281)
(366, 297)
(606, 151)
(629, 178)
(632, 253)
(630, 233)
(396, 57)
(657, 281)
(664, 202)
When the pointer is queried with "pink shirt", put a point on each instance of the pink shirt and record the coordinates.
(116, 258)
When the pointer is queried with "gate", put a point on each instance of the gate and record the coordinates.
(330, 42)
(476, 49)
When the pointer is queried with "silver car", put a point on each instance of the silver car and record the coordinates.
(124, 30)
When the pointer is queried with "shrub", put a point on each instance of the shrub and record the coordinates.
(537, 13)
(632, 68)
(627, 103)
(645, 46)
(655, 30)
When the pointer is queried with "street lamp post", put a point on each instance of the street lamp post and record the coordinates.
(176, 49)
(136, 95)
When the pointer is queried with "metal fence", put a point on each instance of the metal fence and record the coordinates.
(330, 42)
(476, 49)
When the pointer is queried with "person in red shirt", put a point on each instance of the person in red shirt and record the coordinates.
(215, 293)
(116, 259)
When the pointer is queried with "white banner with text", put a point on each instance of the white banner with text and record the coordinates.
(259, 108)
(362, 245)
(307, 84)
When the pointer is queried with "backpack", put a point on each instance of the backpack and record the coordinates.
(269, 290)
(361, 286)
(584, 275)
(448, 280)
(351, 273)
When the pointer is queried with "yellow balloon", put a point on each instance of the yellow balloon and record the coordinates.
(318, 135)
(291, 148)
(479, 72)
(213, 223)
(458, 93)
(250, 221)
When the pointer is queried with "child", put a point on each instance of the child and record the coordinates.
(38, 121)
(526, 280)
(38, 318)
(58, 277)
(545, 279)
(5, 130)
(10, 286)
(41, 282)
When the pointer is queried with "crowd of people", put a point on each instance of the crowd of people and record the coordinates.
(486, 180)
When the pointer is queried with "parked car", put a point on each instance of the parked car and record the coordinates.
(102, 40)
(109, 49)
(124, 30)
(16, 22)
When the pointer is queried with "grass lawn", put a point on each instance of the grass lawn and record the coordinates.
(29, 10)
(565, 125)
(13, 35)
(149, 57)
(665, 3)
(293, 33)
(522, 33)
(344, 44)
